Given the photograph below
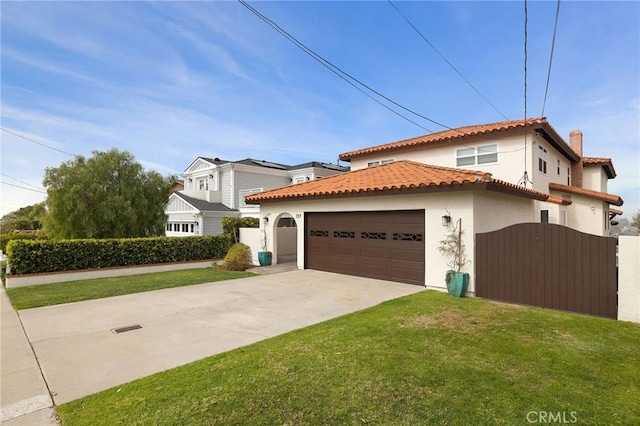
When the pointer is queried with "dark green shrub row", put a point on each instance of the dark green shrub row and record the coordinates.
(5, 238)
(36, 256)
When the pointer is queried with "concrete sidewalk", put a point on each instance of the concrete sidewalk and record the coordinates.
(24, 397)
(81, 353)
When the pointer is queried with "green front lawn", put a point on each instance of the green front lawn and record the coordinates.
(76, 291)
(423, 359)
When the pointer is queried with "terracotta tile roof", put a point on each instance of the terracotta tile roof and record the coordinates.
(461, 132)
(606, 164)
(602, 196)
(615, 212)
(394, 177)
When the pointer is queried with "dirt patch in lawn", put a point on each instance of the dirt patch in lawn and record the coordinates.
(457, 320)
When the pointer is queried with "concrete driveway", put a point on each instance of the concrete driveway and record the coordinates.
(80, 354)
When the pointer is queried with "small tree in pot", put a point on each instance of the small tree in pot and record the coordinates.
(265, 257)
(454, 247)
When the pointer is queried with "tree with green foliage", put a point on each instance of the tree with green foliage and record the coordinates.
(109, 195)
(25, 218)
(635, 220)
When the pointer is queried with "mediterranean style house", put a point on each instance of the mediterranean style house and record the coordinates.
(213, 188)
(385, 218)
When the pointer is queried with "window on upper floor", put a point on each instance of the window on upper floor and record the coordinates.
(568, 176)
(558, 163)
(471, 156)
(379, 162)
(542, 160)
(203, 184)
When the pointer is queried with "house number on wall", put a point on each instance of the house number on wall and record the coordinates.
(298, 215)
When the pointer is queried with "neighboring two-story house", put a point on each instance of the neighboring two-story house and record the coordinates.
(215, 188)
(385, 218)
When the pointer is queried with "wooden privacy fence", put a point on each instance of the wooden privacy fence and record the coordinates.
(550, 266)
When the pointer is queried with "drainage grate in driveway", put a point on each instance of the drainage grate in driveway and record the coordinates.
(125, 329)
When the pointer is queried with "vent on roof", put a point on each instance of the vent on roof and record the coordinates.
(125, 329)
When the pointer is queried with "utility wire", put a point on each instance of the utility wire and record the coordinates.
(320, 60)
(36, 142)
(446, 60)
(24, 187)
(553, 43)
(334, 68)
(18, 180)
(525, 177)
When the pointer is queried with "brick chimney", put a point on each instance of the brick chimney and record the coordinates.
(575, 142)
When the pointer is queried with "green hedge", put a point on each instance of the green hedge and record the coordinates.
(230, 225)
(36, 256)
(5, 238)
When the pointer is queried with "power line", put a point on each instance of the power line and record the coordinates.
(18, 180)
(446, 60)
(334, 68)
(553, 43)
(36, 142)
(320, 60)
(23, 187)
(525, 177)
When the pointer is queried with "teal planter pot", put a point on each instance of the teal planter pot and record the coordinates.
(265, 258)
(457, 284)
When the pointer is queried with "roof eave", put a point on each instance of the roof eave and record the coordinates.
(550, 135)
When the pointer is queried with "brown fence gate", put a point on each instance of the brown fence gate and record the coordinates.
(547, 265)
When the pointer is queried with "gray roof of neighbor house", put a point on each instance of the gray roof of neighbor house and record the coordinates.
(277, 166)
(204, 205)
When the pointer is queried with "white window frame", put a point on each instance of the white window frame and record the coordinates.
(203, 183)
(244, 192)
(478, 153)
(380, 162)
(543, 159)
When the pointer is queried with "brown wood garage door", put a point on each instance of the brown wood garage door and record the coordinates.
(384, 245)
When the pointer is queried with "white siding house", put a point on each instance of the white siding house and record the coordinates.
(215, 188)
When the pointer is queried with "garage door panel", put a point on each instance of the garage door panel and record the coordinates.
(383, 245)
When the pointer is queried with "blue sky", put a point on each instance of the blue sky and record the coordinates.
(170, 81)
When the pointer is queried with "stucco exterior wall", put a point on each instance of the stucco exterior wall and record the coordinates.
(541, 180)
(459, 204)
(494, 211)
(629, 278)
(287, 241)
(594, 178)
(588, 215)
(251, 237)
(510, 166)
(511, 159)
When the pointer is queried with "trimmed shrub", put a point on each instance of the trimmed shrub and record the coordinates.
(230, 225)
(3, 272)
(5, 238)
(37, 256)
(238, 258)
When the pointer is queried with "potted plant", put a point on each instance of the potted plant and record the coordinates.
(265, 257)
(453, 246)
